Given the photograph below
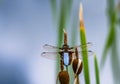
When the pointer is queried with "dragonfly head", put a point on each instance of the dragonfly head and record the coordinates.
(65, 47)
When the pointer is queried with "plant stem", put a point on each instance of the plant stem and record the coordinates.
(96, 70)
(83, 42)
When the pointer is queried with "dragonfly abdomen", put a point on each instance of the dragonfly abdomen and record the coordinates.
(66, 59)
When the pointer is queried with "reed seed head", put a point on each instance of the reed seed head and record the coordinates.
(77, 66)
(63, 77)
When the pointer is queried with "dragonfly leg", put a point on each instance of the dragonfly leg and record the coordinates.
(66, 68)
(61, 65)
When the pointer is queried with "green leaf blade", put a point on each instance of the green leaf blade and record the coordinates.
(85, 57)
(107, 46)
(96, 70)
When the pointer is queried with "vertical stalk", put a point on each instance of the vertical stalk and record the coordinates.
(60, 30)
(111, 42)
(96, 70)
(54, 7)
(83, 42)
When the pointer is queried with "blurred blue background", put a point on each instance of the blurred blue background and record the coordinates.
(26, 25)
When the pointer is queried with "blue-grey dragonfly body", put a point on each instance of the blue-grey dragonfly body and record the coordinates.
(66, 59)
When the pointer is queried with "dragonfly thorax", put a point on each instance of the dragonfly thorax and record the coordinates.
(65, 47)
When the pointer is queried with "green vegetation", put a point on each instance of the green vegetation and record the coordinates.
(62, 16)
(111, 42)
(96, 70)
(83, 42)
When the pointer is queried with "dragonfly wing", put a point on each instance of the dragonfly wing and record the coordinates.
(50, 55)
(89, 52)
(51, 48)
(79, 47)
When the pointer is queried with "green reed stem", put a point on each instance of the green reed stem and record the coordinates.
(83, 42)
(85, 57)
(111, 43)
(61, 25)
(54, 9)
(73, 43)
(96, 70)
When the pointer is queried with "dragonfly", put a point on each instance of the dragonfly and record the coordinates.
(66, 53)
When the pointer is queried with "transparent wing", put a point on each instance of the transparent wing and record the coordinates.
(89, 44)
(50, 55)
(89, 52)
(51, 48)
(80, 54)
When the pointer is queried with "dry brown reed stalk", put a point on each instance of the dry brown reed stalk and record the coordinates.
(77, 64)
(63, 77)
(77, 67)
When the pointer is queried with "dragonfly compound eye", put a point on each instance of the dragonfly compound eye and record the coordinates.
(63, 77)
(77, 66)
